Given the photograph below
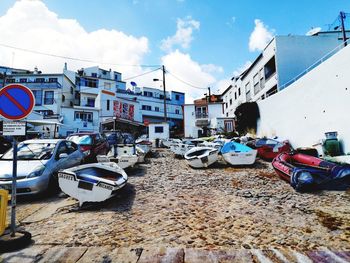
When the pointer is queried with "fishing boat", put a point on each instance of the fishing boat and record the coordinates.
(201, 157)
(180, 149)
(168, 142)
(238, 154)
(269, 148)
(122, 154)
(306, 173)
(94, 182)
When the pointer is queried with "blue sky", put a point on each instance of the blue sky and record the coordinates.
(215, 33)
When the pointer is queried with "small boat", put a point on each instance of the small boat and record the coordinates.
(306, 173)
(181, 148)
(238, 154)
(141, 154)
(269, 148)
(201, 157)
(167, 143)
(122, 154)
(95, 182)
(215, 145)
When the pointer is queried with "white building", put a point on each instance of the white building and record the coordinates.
(159, 130)
(282, 60)
(205, 118)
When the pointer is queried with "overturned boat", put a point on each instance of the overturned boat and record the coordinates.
(307, 173)
(238, 154)
(94, 182)
(122, 154)
(200, 157)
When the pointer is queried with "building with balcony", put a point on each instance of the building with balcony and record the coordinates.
(279, 64)
(151, 105)
(205, 117)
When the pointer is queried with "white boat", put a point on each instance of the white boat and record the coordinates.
(200, 157)
(238, 154)
(122, 154)
(181, 148)
(167, 143)
(215, 145)
(141, 154)
(95, 182)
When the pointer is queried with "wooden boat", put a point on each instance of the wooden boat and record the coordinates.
(94, 182)
(201, 157)
(305, 172)
(122, 154)
(238, 154)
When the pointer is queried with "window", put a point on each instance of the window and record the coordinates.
(38, 95)
(10, 80)
(48, 97)
(52, 79)
(230, 101)
(228, 126)
(94, 75)
(107, 85)
(239, 92)
(39, 80)
(71, 90)
(248, 95)
(146, 107)
(63, 98)
(45, 112)
(177, 97)
(271, 91)
(256, 83)
(270, 68)
(156, 108)
(108, 104)
(226, 105)
(235, 95)
(148, 93)
(84, 116)
(90, 102)
(177, 111)
(158, 129)
(22, 80)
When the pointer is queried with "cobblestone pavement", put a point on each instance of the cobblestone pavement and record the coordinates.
(168, 204)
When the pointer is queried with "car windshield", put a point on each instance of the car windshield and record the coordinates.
(81, 140)
(31, 151)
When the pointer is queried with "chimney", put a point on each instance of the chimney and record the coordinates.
(65, 66)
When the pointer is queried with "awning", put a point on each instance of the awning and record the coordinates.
(111, 121)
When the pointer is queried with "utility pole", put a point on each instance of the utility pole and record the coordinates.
(342, 17)
(163, 69)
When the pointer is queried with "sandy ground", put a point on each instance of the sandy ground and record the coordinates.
(168, 203)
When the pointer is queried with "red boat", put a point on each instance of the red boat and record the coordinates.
(270, 148)
(305, 172)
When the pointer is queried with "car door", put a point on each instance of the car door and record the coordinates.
(75, 156)
(60, 163)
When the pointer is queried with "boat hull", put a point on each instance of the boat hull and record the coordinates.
(203, 160)
(181, 148)
(240, 158)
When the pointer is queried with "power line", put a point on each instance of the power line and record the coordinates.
(76, 59)
(185, 82)
(141, 74)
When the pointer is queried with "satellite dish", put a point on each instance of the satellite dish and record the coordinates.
(313, 31)
(133, 84)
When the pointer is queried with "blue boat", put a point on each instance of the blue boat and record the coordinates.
(238, 154)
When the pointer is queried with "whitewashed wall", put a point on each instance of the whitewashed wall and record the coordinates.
(317, 103)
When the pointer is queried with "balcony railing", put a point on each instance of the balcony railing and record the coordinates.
(41, 85)
(201, 115)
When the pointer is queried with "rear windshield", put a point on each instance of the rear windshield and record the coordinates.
(81, 140)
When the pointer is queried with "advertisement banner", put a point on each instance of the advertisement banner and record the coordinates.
(123, 110)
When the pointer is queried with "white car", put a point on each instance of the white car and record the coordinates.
(38, 164)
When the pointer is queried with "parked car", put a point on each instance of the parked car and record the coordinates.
(5, 144)
(91, 144)
(38, 163)
(114, 138)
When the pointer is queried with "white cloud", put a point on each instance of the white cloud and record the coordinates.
(260, 36)
(31, 25)
(182, 66)
(313, 31)
(211, 68)
(183, 36)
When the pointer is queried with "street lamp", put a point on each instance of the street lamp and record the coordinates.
(163, 69)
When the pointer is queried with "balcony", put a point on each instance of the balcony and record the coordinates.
(202, 119)
(41, 85)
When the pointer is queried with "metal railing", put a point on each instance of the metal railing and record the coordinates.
(314, 65)
(201, 115)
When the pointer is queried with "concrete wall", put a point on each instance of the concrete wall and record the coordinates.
(294, 54)
(153, 135)
(316, 103)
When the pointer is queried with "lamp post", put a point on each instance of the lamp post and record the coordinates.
(165, 115)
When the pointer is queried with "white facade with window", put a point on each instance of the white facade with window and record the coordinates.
(158, 131)
(283, 59)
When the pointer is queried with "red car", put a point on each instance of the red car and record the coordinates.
(92, 144)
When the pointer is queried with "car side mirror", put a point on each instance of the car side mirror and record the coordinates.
(62, 156)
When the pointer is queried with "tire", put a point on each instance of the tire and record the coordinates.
(17, 243)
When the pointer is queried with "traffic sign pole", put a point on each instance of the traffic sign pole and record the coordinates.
(14, 188)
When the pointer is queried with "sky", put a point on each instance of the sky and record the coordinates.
(202, 43)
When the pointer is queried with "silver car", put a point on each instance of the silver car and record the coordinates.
(38, 163)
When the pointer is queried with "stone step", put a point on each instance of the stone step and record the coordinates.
(171, 255)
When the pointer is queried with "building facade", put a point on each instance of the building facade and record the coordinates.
(282, 60)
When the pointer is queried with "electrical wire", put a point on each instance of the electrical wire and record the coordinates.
(185, 82)
(76, 59)
(141, 74)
